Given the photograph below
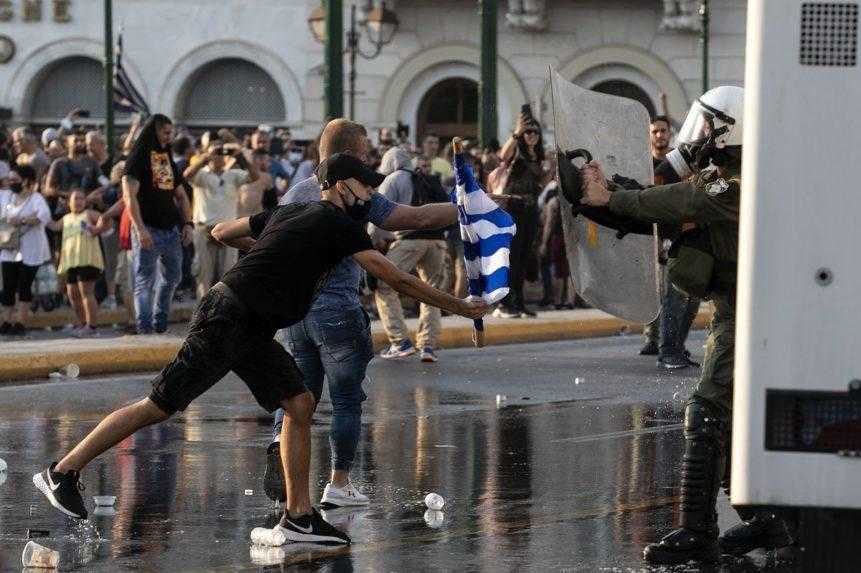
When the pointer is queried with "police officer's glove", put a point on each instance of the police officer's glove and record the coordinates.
(627, 182)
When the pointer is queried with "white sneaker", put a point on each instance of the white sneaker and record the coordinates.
(343, 497)
(110, 302)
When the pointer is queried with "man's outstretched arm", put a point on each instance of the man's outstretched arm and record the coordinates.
(378, 265)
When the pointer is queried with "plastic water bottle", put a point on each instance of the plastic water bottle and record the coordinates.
(3, 465)
(434, 518)
(268, 537)
(434, 501)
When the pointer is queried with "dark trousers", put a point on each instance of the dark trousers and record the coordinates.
(678, 312)
(521, 251)
(17, 282)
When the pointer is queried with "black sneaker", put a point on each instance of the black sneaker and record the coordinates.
(672, 362)
(17, 329)
(5, 327)
(311, 528)
(683, 545)
(649, 349)
(273, 479)
(62, 490)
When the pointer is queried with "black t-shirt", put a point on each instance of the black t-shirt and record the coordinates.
(159, 177)
(297, 246)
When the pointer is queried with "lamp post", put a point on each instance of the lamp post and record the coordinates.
(109, 77)
(380, 26)
(487, 117)
(704, 42)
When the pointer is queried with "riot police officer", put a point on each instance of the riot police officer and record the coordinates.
(702, 263)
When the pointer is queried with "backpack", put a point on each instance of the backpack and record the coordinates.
(426, 189)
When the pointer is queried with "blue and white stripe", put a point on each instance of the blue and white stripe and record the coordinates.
(487, 232)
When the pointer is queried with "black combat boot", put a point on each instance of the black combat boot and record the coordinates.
(758, 530)
(702, 469)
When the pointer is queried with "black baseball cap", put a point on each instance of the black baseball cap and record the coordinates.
(341, 166)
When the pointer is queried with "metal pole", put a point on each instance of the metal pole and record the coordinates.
(109, 77)
(487, 116)
(353, 47)
(334, 83)
(704, 42)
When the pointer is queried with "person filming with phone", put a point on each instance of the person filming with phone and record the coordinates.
(521, 181)
(215, 181)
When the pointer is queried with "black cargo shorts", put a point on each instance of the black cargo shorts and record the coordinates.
(225, 335)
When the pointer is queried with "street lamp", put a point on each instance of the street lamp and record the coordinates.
(381, 24)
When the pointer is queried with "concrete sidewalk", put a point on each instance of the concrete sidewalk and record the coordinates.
(36, 358)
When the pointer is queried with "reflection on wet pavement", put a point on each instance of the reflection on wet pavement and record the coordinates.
(564, 476)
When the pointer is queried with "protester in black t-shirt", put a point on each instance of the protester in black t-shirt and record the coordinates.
(291, 251)
(161, 216)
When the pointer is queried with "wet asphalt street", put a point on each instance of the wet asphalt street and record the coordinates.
(575, 470)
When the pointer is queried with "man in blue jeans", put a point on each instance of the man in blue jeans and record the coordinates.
(161, 220)
(334, 340)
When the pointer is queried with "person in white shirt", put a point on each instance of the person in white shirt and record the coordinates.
(24, 213)
(215, 199)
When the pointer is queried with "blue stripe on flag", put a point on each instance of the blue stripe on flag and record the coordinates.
(486, 247)
(489, 283)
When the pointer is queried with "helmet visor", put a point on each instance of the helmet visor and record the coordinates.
(704, 122)
(698, 125)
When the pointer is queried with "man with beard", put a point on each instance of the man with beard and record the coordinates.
(153, 189)
(78, 170)
(666, 335)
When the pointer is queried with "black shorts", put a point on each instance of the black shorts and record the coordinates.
(224, 335)
(82, 274)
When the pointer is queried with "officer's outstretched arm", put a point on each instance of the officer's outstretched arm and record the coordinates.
(678, 203)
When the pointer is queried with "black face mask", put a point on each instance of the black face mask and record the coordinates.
(359, 210)
(16, 187)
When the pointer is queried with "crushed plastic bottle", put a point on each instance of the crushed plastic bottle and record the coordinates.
(500, 399)
(36, 555)
(68, 371)
(434, 501)
(268, 537)
(3, 465)
(104, 500)
(249, 492)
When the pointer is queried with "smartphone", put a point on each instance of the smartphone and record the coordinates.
(84, 113)
(526, 110)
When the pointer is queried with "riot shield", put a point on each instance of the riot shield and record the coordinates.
(614, 273)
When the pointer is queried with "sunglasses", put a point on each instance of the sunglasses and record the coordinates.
(531, 132)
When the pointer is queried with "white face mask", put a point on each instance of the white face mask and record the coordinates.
(295, 156)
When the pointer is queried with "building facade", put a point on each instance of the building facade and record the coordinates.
(244, 62)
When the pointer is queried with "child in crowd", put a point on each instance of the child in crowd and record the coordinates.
(81, 260)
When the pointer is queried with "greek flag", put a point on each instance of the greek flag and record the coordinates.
(126, 96)
(487, 232)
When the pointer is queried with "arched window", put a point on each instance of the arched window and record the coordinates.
(69, 83)
(626, 89)
(448, 109)
(231, 91)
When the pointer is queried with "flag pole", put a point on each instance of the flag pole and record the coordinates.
(478, 324)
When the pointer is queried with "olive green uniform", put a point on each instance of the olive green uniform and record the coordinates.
(712, 203)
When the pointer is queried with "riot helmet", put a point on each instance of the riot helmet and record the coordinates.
(712, 132)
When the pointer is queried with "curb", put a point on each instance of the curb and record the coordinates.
(151, 353)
